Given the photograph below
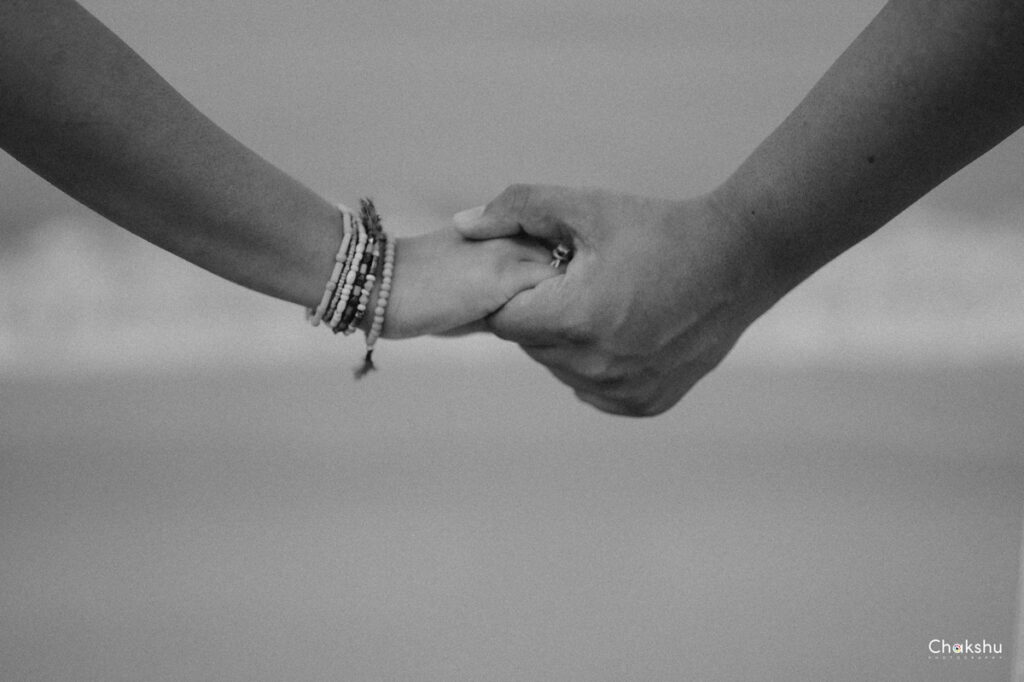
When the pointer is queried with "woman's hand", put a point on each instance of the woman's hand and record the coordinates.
(444, 282)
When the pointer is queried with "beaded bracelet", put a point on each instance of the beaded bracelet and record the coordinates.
(364, 294)
(349, 276)
(365, 259)
(314, 316)
(361, 269)
(378, 313)
(367, 273)
(346, 263)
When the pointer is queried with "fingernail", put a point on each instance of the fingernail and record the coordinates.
(468, 217)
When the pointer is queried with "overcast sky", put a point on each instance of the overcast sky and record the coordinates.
(437, 105)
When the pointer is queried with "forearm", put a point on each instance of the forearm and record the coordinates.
(82, 110)
(926, 88)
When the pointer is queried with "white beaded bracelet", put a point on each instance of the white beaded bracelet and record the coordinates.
(365, 259)
(380, 309)
(313, 316)
(349, 278)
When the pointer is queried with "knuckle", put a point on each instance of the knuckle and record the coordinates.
(605, 371)
(635, 394)
(641, 406)
(622, 407)
(496, 325)
(580, 326)
(579, 332)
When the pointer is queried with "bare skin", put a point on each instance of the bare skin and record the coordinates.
(660, 290)
(85, 112)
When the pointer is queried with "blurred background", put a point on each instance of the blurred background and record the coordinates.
(193, 487)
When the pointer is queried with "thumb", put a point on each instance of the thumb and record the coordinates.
(475, 223)
(540, 211)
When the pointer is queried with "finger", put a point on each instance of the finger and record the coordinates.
(527, 249)
(523, 275)
(541, 211)
(533, 317)
(516, 278)
(473, 224)
(552, 358)
(631, 400)
(571, 364)
(607, 405)
(477, 326)
(555, 360)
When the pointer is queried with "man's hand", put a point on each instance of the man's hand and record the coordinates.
(656, 294)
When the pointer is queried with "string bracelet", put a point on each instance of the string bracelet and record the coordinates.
(349, 253)
(344, 260)
(367, 288)
(364, 264)
(349, 278)
(337, 298)
(362, 271)
(379, 310)
(314, 316)
(359, 294)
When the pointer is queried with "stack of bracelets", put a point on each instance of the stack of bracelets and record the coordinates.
(366, 255)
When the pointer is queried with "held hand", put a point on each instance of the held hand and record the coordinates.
(655, 296)
(444, 282)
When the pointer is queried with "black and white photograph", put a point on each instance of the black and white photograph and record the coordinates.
(522, 340)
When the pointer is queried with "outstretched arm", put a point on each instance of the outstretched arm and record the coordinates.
(927, 87)
(659, 291)
(84, 111)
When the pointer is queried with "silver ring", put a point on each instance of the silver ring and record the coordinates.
(560, 255)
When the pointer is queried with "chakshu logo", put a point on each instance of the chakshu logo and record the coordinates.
(966, 648)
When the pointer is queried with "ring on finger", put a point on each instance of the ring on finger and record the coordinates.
(560, 255)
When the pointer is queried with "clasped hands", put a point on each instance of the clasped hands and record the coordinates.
(655, 295)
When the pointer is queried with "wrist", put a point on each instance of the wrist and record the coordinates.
(710, 271)
(786, 249)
